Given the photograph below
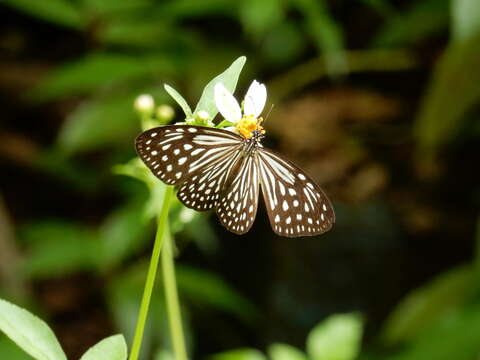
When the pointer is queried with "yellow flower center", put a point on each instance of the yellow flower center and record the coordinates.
(248, 124)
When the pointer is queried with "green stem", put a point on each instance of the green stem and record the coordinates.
(162, 226)
(173, 306)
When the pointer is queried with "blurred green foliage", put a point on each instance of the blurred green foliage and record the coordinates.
(137, 46)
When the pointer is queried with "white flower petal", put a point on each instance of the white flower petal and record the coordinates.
(226, 104)
(255, 99)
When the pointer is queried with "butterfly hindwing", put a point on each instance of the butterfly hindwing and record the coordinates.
(175, 153)
(204, 189)
(237, 207)
(296, 206)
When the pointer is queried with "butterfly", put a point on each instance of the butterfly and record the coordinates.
(216, 169)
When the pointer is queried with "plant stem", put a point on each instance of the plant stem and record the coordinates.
(173, 306)
(162, 233)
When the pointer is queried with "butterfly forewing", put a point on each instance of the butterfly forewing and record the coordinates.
(175, 153)
(296, 206)
(238, 205)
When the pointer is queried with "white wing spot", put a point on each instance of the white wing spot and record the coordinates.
(192, 130)
(164, 158)
(324, 207)
(301, 177)
(292, 192)
(182, 160)
(166, 147)
(176, 151)
(299, 216)
(187, 146)
(289, 220)
(169, 167)
(285, 205)
(178, 175)
(153, 134)
(154, 152)
(295, 203)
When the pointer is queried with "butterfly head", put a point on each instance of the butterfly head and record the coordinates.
(249, 126)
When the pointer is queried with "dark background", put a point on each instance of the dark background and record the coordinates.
(377, 100)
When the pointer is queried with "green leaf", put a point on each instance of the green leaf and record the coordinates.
(424, 18)
(229, 78)
(164, 355)
(442, 111)
(179, 99)
(285, 352)
(427, 304)
(10, 351)
(336, 338)
(207, 288)
(61, 12)
(259, 16)
(465, 19)
(111, 348)
(57, 248)
(122, 233)
(29, 333)
(239, 354)
(95, 71)
(98, 123)
(454, 336)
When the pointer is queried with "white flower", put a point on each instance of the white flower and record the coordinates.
(253, 104)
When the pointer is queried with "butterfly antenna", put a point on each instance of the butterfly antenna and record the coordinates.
(268, 114)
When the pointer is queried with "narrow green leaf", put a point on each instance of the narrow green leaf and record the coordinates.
(285, 352)
(427, 304)
(29, 333)
(442, 111)
(61, 12)
(326, 33)
(465, 19)
(229, 78)
(111, 348)
(422, 19)
(179, 99)
(239, 354)
(336, 338)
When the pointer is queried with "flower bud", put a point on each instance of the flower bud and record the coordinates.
(203, 115)
(144, 104)
(165, 113)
